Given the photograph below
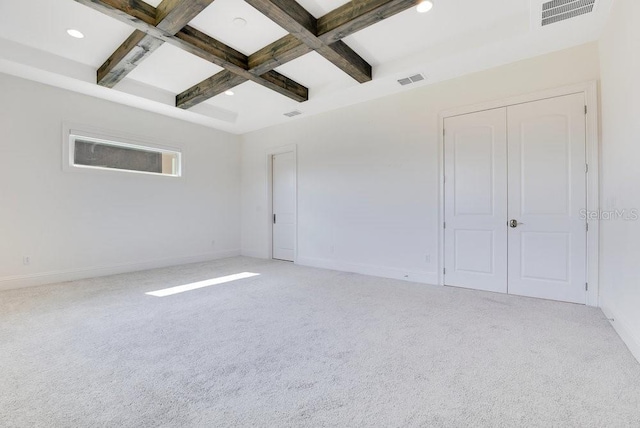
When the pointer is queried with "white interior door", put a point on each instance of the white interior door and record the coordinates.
(547, 190)
(284, 209)
(476, 200)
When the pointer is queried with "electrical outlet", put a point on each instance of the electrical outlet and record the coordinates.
(26, 260)
(427, 258)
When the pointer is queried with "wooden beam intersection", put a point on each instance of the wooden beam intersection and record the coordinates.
(276, 54)
(301, 24)
(170, 16)
(329, 29)
(142, 17)
(155, 26)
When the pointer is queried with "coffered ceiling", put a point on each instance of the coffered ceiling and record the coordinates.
(455, 38)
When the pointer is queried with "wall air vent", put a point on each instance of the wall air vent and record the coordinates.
(293, 113)
(411, 79)
(561, 10)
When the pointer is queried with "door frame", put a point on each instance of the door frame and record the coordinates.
(590, 91)
(292, 148)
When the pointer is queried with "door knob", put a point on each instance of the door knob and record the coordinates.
(514, 223)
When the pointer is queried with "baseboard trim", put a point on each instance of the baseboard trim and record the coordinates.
(254, 254)
(372, 270)
(43, 278)
(622, 327)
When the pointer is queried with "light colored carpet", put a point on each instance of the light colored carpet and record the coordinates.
(299, 347)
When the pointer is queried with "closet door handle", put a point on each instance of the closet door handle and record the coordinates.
(514, 223)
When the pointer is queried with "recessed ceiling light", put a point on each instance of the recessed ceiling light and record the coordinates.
(424, 6)
(76, 34)
(230, 93)
(239, 22)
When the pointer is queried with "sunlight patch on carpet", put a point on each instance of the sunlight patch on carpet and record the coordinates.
(201, 284)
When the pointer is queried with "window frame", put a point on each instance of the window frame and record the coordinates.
(73, 132)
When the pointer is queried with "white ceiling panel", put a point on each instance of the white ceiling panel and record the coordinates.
(43, 25)
(255, 103)
(320, 8)
(217, 21)
(409, 32)
(250, 96)
(173, 69)
(316, 73)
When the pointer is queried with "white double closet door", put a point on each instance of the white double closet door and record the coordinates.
(515, 183)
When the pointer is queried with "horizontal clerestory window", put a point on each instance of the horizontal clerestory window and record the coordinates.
(87, 151)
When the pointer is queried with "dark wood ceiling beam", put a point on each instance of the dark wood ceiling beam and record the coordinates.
(135, 13)
(358, 15)
(209, 88)
(339, 23)
(276, 54)
(170, 16)
(200, 44)
(346, 59)
(291, 16)
(225, 80)
(134, 10)
(260, 64)
(142, 17)
(173, 15)
(273, 80)
(128, 56)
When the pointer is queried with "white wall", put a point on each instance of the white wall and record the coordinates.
(620, 239)
(368, 176)
(81, 224)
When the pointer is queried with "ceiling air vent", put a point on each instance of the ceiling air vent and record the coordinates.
(561, 10)
(293, 113)
(411, 79)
